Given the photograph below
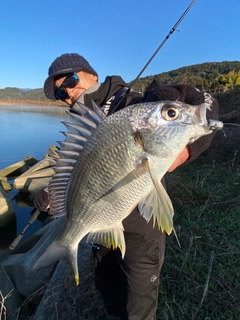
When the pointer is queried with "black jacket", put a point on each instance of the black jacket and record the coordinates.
(109, 94)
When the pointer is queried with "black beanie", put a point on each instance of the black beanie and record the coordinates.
(65, 64)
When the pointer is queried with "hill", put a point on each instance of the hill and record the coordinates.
(222, 79)
(9, 93)
(209, 76)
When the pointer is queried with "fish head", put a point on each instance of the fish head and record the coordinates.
(168, 126)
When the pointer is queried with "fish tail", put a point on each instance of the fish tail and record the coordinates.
(54, 253)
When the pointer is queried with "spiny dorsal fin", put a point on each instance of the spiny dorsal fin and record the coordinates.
(68, 145)
(73, 127)
(91, 114)
(84, 122)
(74, 137)
(98, 111)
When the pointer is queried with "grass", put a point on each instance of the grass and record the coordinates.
(64, 300)
(3, 309)
(201, 279)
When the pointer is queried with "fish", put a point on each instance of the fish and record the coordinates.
(109, 165)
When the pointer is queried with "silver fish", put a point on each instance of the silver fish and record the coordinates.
(109, 165)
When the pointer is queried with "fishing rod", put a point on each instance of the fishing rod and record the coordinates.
(35, 213)
(164, 41)
(155, 53)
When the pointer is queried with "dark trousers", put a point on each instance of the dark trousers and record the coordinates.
(129, 286)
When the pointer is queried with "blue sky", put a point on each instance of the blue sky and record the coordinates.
(116, 37)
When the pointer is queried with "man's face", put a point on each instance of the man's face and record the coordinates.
(86, 80)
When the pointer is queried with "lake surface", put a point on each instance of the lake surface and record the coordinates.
(26, 131)
(29, 130)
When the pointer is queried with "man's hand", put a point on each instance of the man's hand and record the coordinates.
(41, 200)
(182, 157)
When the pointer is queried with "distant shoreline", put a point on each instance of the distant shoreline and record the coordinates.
(33, 102)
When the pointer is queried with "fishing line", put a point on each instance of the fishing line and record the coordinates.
(155, 53)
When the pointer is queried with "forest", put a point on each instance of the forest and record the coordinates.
(209, 76)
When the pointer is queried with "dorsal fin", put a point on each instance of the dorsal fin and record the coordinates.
(83, 122)
(68, 154)
(73, 127)
(68, 145)
(74, 137)
(98, 111)
(91, 114)
(63, 162)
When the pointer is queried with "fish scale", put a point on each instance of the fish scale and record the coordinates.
(119, 164)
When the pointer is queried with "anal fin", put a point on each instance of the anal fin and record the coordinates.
(110, 238)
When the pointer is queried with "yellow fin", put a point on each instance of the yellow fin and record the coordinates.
(157, 204)
(109, 238)
(159, 208)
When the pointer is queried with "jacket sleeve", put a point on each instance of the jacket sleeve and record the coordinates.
(129, 98)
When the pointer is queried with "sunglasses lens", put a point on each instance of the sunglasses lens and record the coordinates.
(61, 93)
(71, 82)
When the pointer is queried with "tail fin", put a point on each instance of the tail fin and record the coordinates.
(54, 253)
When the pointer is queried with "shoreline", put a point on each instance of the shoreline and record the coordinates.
(32, 102)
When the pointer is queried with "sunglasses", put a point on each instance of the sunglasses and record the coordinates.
(69, 82)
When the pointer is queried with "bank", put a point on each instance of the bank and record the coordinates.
(32, 102)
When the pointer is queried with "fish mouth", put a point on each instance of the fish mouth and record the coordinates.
(214, 125)
(200, 114)
(200, 118)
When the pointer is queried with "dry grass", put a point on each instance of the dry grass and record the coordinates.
(3, 309)
(63, 300)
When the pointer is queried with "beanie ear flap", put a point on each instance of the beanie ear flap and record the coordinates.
(190, 94)
(154, 84)
(180, 92)
(163, 92)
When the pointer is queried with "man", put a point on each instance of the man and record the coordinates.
(129, 286)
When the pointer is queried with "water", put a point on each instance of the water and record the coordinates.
(26, 131)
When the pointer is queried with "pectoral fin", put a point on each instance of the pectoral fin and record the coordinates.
(157, 204)
(109, 238)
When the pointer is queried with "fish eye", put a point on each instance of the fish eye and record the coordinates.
(170, 112)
